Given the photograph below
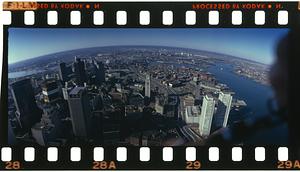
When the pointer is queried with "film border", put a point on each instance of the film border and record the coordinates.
(133, 162)
(178, 8)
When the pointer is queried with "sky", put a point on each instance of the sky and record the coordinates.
(249, 43)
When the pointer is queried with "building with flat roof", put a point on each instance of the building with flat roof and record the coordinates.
(207, 112)
(100, 72)
(223, 106)
(80, 111)
(80, 73)
(226, 100)
(192, 114)
(27, 112)
(63, 72)
(188, 101)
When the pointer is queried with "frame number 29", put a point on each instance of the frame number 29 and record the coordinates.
(193, 165)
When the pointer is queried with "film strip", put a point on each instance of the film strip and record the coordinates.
(188, 14)
(136, 150)
(133, 158)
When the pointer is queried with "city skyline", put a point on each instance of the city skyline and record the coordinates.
(139, 97)
(236, 42)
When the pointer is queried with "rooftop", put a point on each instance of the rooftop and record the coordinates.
(76, 90)
(193, 110)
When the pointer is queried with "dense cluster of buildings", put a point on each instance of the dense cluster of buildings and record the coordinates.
(117, 102)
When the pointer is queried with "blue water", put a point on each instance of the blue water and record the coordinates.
(253, 93)
(256, 96)
(23, 73)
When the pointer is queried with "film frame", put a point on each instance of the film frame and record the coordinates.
(156, 162)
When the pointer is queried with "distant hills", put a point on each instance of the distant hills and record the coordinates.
(92, 51)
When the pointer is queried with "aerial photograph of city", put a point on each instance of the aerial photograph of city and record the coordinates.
(136, 87)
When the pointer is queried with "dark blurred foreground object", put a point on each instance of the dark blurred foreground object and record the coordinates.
(293, 87)
(242, 130)
(285, 80)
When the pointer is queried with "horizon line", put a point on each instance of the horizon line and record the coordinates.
(136, 46)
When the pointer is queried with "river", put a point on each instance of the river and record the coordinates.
(23, 73)
(256, 96)
(253, 93)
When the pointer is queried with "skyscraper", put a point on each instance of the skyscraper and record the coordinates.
(28, 112)
(100, 72)
(226, 99)
(65, 91)
(218, 117)
(221, 116)
(79, 70)
(207, 112)
(51, 91)
(147, 86)
(63, 72)
(80, 111)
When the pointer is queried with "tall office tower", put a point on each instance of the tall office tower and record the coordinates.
(100, 72)
(226, 100)
(63, 72)
(221, 116)
(147, 86)
(28, 112)
(207, 112)
(79, 70)
(218, 117)
(65, 91)
(51, 91)
(80, 112)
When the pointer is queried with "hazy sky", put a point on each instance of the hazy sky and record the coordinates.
(255, 44)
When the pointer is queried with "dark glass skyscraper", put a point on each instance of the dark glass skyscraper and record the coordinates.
(28, 112)
(63, 72)
(100, 73)
(80, 112)
(79, 70)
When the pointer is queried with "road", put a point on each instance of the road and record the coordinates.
(188, 134)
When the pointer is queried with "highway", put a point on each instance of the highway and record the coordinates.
(188, 134)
